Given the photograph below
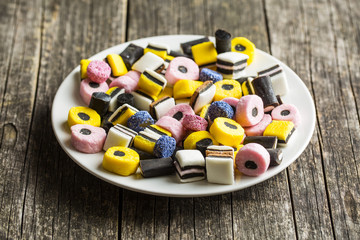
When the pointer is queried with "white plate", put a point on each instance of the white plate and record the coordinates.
(68, 96)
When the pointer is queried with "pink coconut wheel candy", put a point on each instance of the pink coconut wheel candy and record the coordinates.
(125, 82)
(194, 123)
(98, 71)
(172, 125)
(287, 112)
(252, 159)
(87, 88)
(181, 68)
(87, 139)
(249, 110)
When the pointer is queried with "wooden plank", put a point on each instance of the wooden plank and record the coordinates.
(18, 91)
(62, 200)
(290, 43)
(333, 104)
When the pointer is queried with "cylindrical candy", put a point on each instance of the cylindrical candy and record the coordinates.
(249, 110)
(179, 111)
(220, 109)
(181, 68)
(125, 98)
(195, 137)
(172, 125)
(207, 74)
(223, 41)
(164, 147)
(125, 82)
(263, 88)
(98, 71)
(258, 129)
(194, 123)
(139, 121)
(87, 88)
(86, 138)
(243, 45)
(252, 159)
(121, 160)
(227, 88)
(227, 131)
(287, 112)
(83, 115)
(100, 102)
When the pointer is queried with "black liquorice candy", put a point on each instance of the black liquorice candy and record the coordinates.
(100, 102)
(276, 156)
(263, 88)
(157, 167)
(125, 98)
(131, 54)
(265, 141)
(186, 46)
(223, 41)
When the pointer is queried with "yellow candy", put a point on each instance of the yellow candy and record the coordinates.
(145, 141)
(117, 65)
(83, 115)
(226, 131)
(204, 54)
(157, 130)
(122, 114)
(121, 160)
(151, 82)
(157, 50)
(243, 45)
(83, 68)
(185, 88)
(281, 129)
(168, 91)
(246, 88)
(193, 138)
(227, 88)
(204, 111)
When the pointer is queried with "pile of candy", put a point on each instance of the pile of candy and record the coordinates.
(195, 113)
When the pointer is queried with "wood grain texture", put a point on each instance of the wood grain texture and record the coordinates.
(289, 31)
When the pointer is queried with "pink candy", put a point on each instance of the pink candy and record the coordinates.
(172, 125)
(87, 88)
(194, 123)
(258, 129)
(252, 159)
(179, 111)
(98, 71)
(87, 139)
(125, 82)
(181, 68)
(287, 112)
(249, 110)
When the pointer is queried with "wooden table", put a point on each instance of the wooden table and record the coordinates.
(44, 194)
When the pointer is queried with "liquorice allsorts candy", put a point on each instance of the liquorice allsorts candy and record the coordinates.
(227, 88)
(119, 135)
(116, 64)
(87, 88)
(258, 129)
(283, 130)
(181, 68)
(98, 71)
(121, 160)
(164, 147)
(278, 79)
(83, 68)
(161, 106)
(83, 115)
(245, 46)
(158, 49)
(204, 54)
(287, 112)
(185, 88)
(145, 141)
(142, 100)
(139, 121)
(100, 102)
(202, 96)
(149, 61)
(131, 54)
(207, 74)
(87, 139)
(186, 46)
(226, 131)
(249, 110)
(231, 64)
(122, 114)
(220, 109)
(252, 159)
(152, 82)
(194, 138)
(265, 141)
(157, 167)
(263, 88)
(222, 41)
(179, 111)
(172, 125)
(114, 92)
(190, 165)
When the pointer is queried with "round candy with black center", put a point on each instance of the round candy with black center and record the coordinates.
(227, 132)
(83, 115)
(87, 139)
(220, 109)
(121, 160)
(243, 45)
(227, 88)
(287, 112)
(252, 159)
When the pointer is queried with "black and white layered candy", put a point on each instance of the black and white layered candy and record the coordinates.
(142, 100)
(278, 79)
(119, 135)
(231, 64)
(149, 60)
(161, 106)
(114, 92)
(203, 95)
(190, 165)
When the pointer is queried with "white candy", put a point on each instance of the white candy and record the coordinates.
(148, 60)
(232, 64)
(220, 169)
(142, 101)
(278, 79)
(119, 136)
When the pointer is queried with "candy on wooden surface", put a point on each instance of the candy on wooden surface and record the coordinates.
(121, 160)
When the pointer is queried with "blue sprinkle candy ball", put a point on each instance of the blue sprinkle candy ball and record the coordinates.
(139, 121)
(164, 147)
(220, 109)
